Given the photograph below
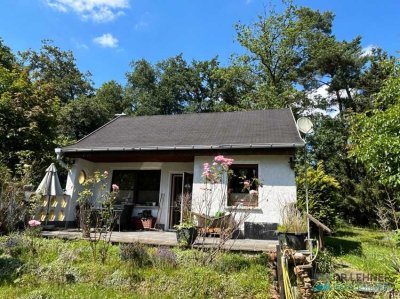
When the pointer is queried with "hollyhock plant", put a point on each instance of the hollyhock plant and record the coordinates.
(34, 223)
(115, 187)
(214, 173)
(33, 232)
(253, 192)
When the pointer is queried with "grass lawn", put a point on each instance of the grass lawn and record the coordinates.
(53, 268)
(364, 250)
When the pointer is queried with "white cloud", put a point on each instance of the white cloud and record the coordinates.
(96, 10)
(106, 41)
(323, 93)
(367, 51)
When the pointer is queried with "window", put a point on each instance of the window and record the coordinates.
(137, 186)
(82, 177)
(243, 185)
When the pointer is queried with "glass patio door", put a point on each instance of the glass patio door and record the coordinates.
(181, 184)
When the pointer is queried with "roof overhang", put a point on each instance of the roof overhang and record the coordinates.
(180, 147)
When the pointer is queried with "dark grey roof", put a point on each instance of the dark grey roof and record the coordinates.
(245, 129)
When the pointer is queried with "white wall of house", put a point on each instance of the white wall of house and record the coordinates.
(167, 169)
(279, 188)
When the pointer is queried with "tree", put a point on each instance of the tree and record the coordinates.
(81, 117)
(112, 96)
(27, 119)
(375, 134)
(7, 58)
(174, 86)
(279, 49)
(58, 69)
(339, 66)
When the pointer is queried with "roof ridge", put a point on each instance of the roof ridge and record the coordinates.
(203, 113)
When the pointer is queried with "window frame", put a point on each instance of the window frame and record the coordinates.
(243, 202)
(136, 182)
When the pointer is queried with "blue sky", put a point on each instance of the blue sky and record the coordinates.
(106, 35)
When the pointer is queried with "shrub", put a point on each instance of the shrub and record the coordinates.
(324, 262)
(15, 245)
(135, 252)
(323, 194)
(9, 268)
(164, 258)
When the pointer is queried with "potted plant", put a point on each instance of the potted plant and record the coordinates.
(292, 232)
(147, 219)
(186, 231)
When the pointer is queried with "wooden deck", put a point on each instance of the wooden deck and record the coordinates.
(158, 238)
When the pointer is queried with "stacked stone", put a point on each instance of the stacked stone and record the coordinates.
(303, 281)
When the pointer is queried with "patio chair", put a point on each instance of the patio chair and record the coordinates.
(221, 225)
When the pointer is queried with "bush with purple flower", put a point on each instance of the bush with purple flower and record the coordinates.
(165, 258)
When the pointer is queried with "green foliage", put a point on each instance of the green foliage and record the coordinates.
(80, 117)
(323, 194)
(64, 270)
(174, 86)
(280, 51)
(375, 134)
(14, 210)
(57, 69)
(27, 118)
(136, 253)
(164, 257)
(324, 263)
(85, 114)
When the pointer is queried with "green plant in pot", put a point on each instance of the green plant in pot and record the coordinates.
(292, 232)
(147, 219)
(186, 231)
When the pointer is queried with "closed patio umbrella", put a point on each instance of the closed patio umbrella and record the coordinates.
(50, 186)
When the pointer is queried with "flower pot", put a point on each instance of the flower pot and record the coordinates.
(148, 223)
(296, 241)
(186, 236)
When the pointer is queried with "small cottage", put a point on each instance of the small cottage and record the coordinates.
(156, 159)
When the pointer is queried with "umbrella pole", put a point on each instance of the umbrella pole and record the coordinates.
(48, 208)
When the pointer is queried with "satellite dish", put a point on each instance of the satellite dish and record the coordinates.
(304, 125)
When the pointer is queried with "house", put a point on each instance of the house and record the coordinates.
(155, 159)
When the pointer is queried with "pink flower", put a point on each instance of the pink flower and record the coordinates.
(253, 192)
(219, 159)
(34, 223)
(206, 167)
(115, 187)
(105, 173)
(225, 162)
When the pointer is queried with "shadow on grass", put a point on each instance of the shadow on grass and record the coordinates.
(346, 233)
(340, 247)
(9, 267)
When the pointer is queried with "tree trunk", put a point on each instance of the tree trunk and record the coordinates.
(340, 103)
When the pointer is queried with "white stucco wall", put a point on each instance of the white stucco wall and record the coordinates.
(278, 180)
(279, 187)
(167, 169)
